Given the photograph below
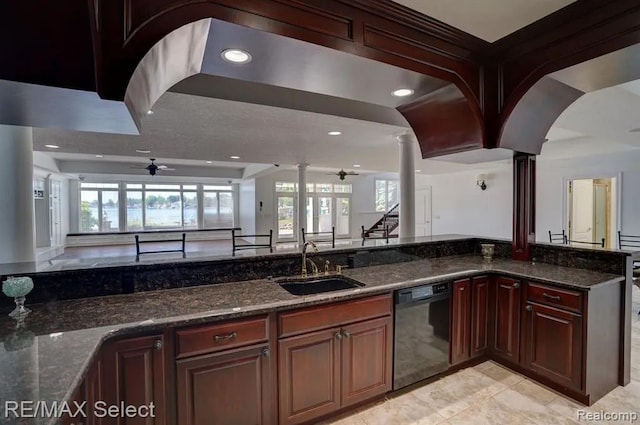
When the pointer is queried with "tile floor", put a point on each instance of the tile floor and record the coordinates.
(489, 394)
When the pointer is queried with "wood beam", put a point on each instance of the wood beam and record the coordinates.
(524, 205)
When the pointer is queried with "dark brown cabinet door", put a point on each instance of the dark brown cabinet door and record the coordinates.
(479, 315)
(506, 338)
(367, 349)
(135, 373)
(460, 321)
(553, 344)
(309, 375)
(227, 388)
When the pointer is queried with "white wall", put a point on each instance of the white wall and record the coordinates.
(552, 174)
(459, 206)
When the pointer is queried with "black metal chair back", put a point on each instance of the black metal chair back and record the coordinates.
(557, 237)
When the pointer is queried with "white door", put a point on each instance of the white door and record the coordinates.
(581, 227)
(423, 212)
(286, 217)
(600, 213)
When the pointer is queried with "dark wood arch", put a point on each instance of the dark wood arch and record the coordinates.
(576, 34)
(125, 31)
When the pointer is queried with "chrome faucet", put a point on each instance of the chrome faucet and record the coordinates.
(314, 267)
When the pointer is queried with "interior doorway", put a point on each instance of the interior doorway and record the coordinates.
(592, 210)
(423, 212)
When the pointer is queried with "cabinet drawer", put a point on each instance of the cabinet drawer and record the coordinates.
(210, 338)
(557, 297)
(324, 316)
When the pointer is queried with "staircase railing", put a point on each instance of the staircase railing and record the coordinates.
(385, 224)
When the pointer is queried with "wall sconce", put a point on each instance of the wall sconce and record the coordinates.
(480, 181)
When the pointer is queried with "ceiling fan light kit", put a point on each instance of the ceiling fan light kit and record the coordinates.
(153, 168)
(342, 174)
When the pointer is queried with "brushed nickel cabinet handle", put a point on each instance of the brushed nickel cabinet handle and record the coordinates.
(528, 308)
(516, 285)
(338, 335)
(265, 352)
(157, 344)
(217, 338)
(346, 334)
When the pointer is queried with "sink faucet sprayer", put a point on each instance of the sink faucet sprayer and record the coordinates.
(314, 267)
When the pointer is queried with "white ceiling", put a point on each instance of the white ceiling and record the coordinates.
(597, 123)
(487, 19)
(198, 129)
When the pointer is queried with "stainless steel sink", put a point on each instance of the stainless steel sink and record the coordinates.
(317, 284)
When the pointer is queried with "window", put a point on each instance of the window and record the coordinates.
(99, 207)
(161, 206)
(286, 187)
(386, 194)
(218, 206)
(342, 188)
(154, 206)
(327, 206)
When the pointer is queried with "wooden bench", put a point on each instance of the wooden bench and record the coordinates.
(320, 237)
(183, 240)
(247, 245)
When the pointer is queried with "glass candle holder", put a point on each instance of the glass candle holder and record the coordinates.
(18, 288)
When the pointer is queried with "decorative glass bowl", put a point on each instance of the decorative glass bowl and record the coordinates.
(487, 250)
(18, 288)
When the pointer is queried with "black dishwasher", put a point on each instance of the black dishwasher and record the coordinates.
(421, 344)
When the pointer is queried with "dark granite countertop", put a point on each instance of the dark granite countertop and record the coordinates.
(47, 359)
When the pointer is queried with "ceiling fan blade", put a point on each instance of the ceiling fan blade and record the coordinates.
(353, 173)
(140, 167)
(166, 169)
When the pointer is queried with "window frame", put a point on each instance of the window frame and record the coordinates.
(387, 204)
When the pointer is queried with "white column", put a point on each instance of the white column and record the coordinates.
(407, 199)
(17, 222)
(302, 199)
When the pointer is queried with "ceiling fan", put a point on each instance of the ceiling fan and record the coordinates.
(153, 168)
(342, 174)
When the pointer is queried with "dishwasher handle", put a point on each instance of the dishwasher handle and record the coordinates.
(406, 303)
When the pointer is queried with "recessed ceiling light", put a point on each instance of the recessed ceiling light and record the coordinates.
(335, 133)
(52, 146)
(143, 151)
(236, 56)
(209, 162)
(417, 171)
(99, 156)
(149, 112)
(356, 165)
(402, 92)
(234, 157)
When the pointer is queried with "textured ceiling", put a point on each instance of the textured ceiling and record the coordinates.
(199, 129)
(487, 19)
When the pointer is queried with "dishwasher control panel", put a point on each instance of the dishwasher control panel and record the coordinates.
(422, 292)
